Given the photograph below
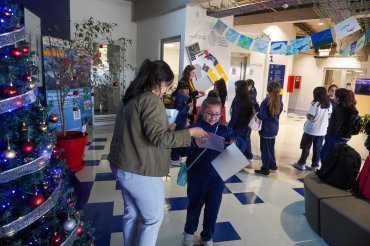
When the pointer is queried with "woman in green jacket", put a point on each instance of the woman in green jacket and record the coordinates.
(140, 151)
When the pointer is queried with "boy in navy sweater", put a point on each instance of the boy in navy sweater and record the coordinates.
(205, 186)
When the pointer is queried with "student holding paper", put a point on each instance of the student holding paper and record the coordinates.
(205, 186)
(269, 113)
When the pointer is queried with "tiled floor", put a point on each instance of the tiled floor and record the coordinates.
(255, 210)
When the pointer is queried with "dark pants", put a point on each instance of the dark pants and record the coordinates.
(205, 191)
(267, 146)
(328, 145)
(306, 143)
(246, 135)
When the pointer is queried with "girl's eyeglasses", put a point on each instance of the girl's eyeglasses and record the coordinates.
(216, 115)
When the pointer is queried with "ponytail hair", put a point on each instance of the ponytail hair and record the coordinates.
(150, 76)
(273, 103)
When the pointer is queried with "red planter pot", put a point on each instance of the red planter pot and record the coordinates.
(74, 148)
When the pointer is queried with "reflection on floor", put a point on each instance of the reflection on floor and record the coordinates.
(255, 210)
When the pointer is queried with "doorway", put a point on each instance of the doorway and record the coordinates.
(343, 77)
(238, 71)
(170, 53)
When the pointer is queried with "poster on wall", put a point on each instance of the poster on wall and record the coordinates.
(277, 74)
(32, 25)
(278, 48)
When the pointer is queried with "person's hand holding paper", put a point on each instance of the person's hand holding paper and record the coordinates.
(214, 142)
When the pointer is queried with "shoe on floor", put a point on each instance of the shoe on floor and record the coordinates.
(207, 243)
(315, 168)
(175, 163)
(249, 165)
(188, 239)
(273, 169)
(300, 167)
(262, 172)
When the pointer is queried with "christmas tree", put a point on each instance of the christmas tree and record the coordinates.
(37, 206)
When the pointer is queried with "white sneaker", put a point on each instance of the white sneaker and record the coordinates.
(175, 163)
(207, 243)
(249, 165)
(188, 240)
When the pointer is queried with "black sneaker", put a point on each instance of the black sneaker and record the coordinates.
(273, 169)
(262, 172)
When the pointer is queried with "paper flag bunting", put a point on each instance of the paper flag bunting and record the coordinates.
(245, 42)
(353, 48)
(322, 38)
(360, 43)
(220, 27)
(300, 45)
(231, 35)
(279, 47)
(345, 50)
(346, 27)
(289, 50)
(260, 45)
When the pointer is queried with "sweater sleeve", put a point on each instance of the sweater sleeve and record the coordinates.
(232, 135)
(154, 123)
(263, 112)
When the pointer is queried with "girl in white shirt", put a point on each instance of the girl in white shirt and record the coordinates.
(315, 128)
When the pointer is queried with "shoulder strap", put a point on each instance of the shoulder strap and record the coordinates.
(195, 160)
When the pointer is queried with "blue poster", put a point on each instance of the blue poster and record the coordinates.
(245, 42)
(279, 47)
(322, 38)
(220, 27)
(300, 45)
(231, 35)
(353, 48)
(367, 37)
(277, 74)
(289, 50)
(362, 86)
(74, 119)
(260, 45)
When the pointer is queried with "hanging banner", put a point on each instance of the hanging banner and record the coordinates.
(260, 45)
(279, 47)
(367, 36)
(288, 50)
(360, 43)
(322, 38)
(245, 42)
(346, 27)
(231, 35)
(300, 45)
(353, 48)
(220, 27)
(345, 50)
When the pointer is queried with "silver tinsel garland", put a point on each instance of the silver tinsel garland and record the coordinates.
(10, 38)
(71, 238)
(12, 103)
(22, 222)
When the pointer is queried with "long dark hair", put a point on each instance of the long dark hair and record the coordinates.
(185, 77)
(149, 76)
(250, 82)
(244, 101)
(346, 98)
(222, 90)
(273, 103)
(321, 95)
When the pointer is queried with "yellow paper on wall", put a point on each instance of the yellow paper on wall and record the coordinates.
(212, 75)
(221, 72)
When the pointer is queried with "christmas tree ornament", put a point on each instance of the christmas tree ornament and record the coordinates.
(53, 118)
(43, 127)
(71, 203)
(10, 91)
(16, 53)
(92, 244)
(25, 49)
(9, 153)
(55, 150)
(98, 55)
(75, 92)
(23, 127)
(31, 85)
(27, 147)
(80, 229)
(115, 84)
(95, 63)
(41, 108)
(65, 60)
(56, 239)
(93, 93)
(75, 109)
(36, 201)
(101, 46)
(69, 224)
(27, 77)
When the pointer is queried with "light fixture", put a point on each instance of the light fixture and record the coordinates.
(170, 45)
(285, 6)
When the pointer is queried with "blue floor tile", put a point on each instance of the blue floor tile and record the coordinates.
(118, 186)
(224, 231)
(177, 203)
(301, 180)
(104, 157)
(88, 143)
(233, 179)
(226, 190)
(299, 190)
(92, 162)
(100, 140)
(248, 198)
(104, 177)
(96, 147)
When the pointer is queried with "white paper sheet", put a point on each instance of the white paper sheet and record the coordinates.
(214, 142)
(171, 115)
(229, 162)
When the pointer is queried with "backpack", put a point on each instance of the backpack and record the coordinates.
(355, 124)
(341, 166)
(363, 180)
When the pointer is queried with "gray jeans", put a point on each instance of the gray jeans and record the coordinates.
(143, 205)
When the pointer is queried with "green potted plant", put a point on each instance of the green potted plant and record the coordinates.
(77, 63)
(365, 120)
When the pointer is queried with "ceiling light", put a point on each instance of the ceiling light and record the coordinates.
(285, 5)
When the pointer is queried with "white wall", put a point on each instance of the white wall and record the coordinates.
(151, 31)
(259, 63)
(112, 11)
(312, 71)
